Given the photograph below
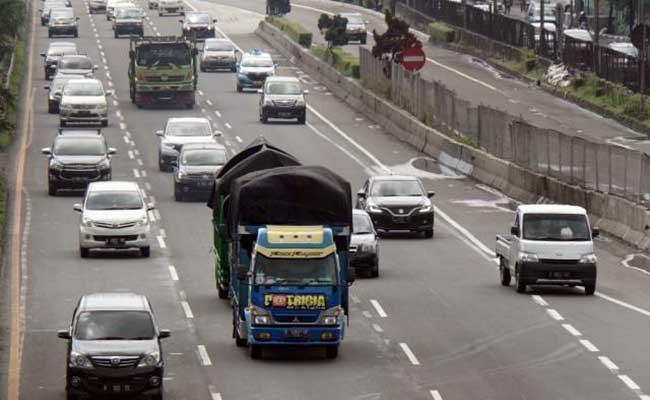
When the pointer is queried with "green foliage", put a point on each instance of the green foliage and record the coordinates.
(13, 15)
(9, 98)
(439, 32)
(344, 62)
(293, 29)
(334, 29)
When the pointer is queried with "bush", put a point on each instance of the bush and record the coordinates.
(440, 32)
(346, 63)
(11, 97)
(293, 29)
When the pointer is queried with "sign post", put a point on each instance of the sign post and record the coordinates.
(413, 59)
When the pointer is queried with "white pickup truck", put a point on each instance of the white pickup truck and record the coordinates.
(548, 245)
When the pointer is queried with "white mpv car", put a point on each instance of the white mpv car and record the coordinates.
(114, 215)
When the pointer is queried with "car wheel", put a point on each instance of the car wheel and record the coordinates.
(374, 271)
(63, 124)
(116, 35)
(76, 34)
(520, 285)
(145, 251)
(178, 194)
(84, 252)
(233, 69)
(202, 68)
(239, 88)
(51, 107)
(302, 119)
(264, 118)
(70, 396)
(255, 351)
(590, 289)
(331, 352)
(105, 123)
(504, 273)
(51, 189)
(364, 40)
(160, 14)
(107, 17)
(223, 293)
(49, 35)
(428, 233)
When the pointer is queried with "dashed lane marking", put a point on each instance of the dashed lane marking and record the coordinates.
(122, 126)
(571, 330)
(214, 395)
(172, 273)
(161, 242)
(609, 364)
(163, 233)
(629, 382)
(126, 139)
(203, 356)
(539, 300)
(589, 346)
(147, 185)
(366, 314)
(409, 354)
(144, 173)
(130, 153)
(139, 161)
(217, 113)
(377, 328)
(228, 125)
(378, 308)
(208, 102)
(435, 395)
(136, 173)
(555, 315)
(187, 310)
(237, 138)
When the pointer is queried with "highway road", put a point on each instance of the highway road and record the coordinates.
(436, 324)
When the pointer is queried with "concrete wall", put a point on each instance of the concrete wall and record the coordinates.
(612, 214)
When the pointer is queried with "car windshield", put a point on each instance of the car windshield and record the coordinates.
(257, 62)
(78, 88)
(396, 188)
(218, 46)
(61, 51)
(198, 19)
(129, 13)
(283, 88)
(75, 63)
(556, 227)
(361, 224)
(79, 147)
(152, 55)
(61, 13)
(295, 271)
(114, 325)
(114, 200)
(188, 128)
(204, 157)
(354, 19)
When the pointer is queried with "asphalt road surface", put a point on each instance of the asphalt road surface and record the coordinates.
(436, 324)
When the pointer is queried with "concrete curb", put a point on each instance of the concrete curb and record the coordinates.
(617, 216)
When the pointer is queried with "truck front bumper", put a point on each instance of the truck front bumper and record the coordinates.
(295, 335)
(544, 273)
(179, 97)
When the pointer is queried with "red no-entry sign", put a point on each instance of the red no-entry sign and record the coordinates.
(413, 59)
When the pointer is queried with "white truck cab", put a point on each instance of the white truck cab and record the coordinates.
(549, 244)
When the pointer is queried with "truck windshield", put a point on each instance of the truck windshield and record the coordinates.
(295, 271)
(556, 227)
(114, 325)
(174, 54)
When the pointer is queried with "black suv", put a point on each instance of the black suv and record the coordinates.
(77, 158)
(114, 348)
(397, 203)
(198, 26)
(196, 169)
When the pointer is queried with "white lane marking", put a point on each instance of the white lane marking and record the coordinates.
(115, 103)
(127, 133)
(203, 110)
(214, 395)
(227, 142)
(147, 185)
(163, 233)
(473, 239)
(153, 199)
(136, 151)
(139, 161)
(157, 214)
(203, 355)
(233, 151)
(366, 314)
(122, 126)
(379, 308)
(555, 315)
(144, 173)
(436, 395)
(623, 304)
(136, 173)
(126, 139)
(172, 273)
(152, 216)
(217, 113)
(237, 138)
(609, 364)
(539, 300)
(355, 299)
(161, 242)
(130, 153)
(409, 354)
(377, 328)
(187, 310)
(644, 397)
(341, 148)
(228, 125)
(200, 93)
(571, 329)
(626, 263)
(589, 346)
(209, 102)
(629, 382)
(110, 83)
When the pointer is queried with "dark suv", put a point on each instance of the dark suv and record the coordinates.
(77, 158)
(198, 26)
(197, 166)
(114, 348)
(397, 202)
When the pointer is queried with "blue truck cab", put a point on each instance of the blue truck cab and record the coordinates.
(253, 69)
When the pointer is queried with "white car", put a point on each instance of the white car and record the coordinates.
(171, 7)
(114, 215)
(75, 65)
(95, 6)
(84, 101)
(219, 53)
(152, 4)
(180, 131)
(110, 7)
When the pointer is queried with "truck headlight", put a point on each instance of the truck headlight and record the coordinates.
(260, 316)
(528, 257)
(373, 208)
(426, 209)
(150, 360)
(331, 316)
(78, 360)
(589, 258)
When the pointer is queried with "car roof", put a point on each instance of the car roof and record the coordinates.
(85, 80)
(188, 14)
(113, 185)
(218, 40)
(395, 178)
(551, 209)
(187, 119)
(114, 301)
(68, 77)
(68, 56)
(203, 146)
(271, 79)
(81, 132)
(351, 15)
(257, 53)
(62, 44)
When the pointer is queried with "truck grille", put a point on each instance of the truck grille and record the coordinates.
(295, 319)
(115, 361)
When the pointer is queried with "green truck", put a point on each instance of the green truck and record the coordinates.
(162, 70)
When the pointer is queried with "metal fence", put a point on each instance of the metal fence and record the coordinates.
(572, 159)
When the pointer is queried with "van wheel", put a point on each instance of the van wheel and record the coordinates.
(504, 272)
(255, 351)
(223, 293)
(590, 289)
(302, 119)
(520, 285)
(428, 233)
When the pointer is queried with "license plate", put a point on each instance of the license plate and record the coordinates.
(116, 242)
(296, 333)
(204, 184)
(257, 82)
(400, 220)
(284, 114)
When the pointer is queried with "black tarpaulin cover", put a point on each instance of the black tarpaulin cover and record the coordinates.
(258, 155)
(295, 195)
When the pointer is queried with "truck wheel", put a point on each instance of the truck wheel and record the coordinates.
(504, 273)
(263, 118)
(239, 88)
(255, 351)
(116, 35)
(520, 285)
(223, 293)
(590, 289)
(374, 272)
(331, 352)
(76, 33)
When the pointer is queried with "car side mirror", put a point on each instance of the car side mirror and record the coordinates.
(64, 334)
(46, 87)
(305, 91)
(109, 93)
(217, 134)
(260, 91)
(430, 194)
(164, 333)
(150, 207)
(242, 272)
(514, 231)
(47, 151)
(43, 55)
(77, 207)
(361, 194)
(595, 232)
(352, 275)
(95, 67)
(112, 151)
(160, 133)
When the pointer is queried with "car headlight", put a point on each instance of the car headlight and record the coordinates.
(180, 174)
(260, 316)
(169, 146)
(528, 257)
(426, 209)
(150, 360)
(78, 360)
(66, 107)
(589, 258)
(373, 208)
(55, 164)
(104, 164)
(143, 221)
(87, 222)
(331, 316)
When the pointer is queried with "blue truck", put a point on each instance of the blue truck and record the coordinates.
(288, 230)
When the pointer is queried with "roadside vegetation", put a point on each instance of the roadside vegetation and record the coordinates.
(346, 63)
(296, 31)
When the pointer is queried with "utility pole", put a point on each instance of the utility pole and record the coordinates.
(596, 36)
(644, 47)
(542, 35)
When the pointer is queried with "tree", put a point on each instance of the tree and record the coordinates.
(334, 29)
(391, 44)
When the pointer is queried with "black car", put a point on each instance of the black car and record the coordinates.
(62, 21)
(197, 167)
(77, 158)
(198, 26)
(114, 348)
(364, 246)
(54, 54)
(397, 203)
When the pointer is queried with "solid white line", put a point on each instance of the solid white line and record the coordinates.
(217, 113)
(228, 125)
(379, 308)
(624, 304)
(136, 173)
(629, 382)
(130, 153)
(208, 102)
(161, 242)
(409, 354)
(237, 138)
(436, 395)
(187, 310)
(140, 162)
(163, 233)
(147, 185)
(555, 315)
(377, 328)
(126, 139)
(477, 243)
(203, 354)
(539, 300)
(571, 330)
(589, 346)
(609, 364)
